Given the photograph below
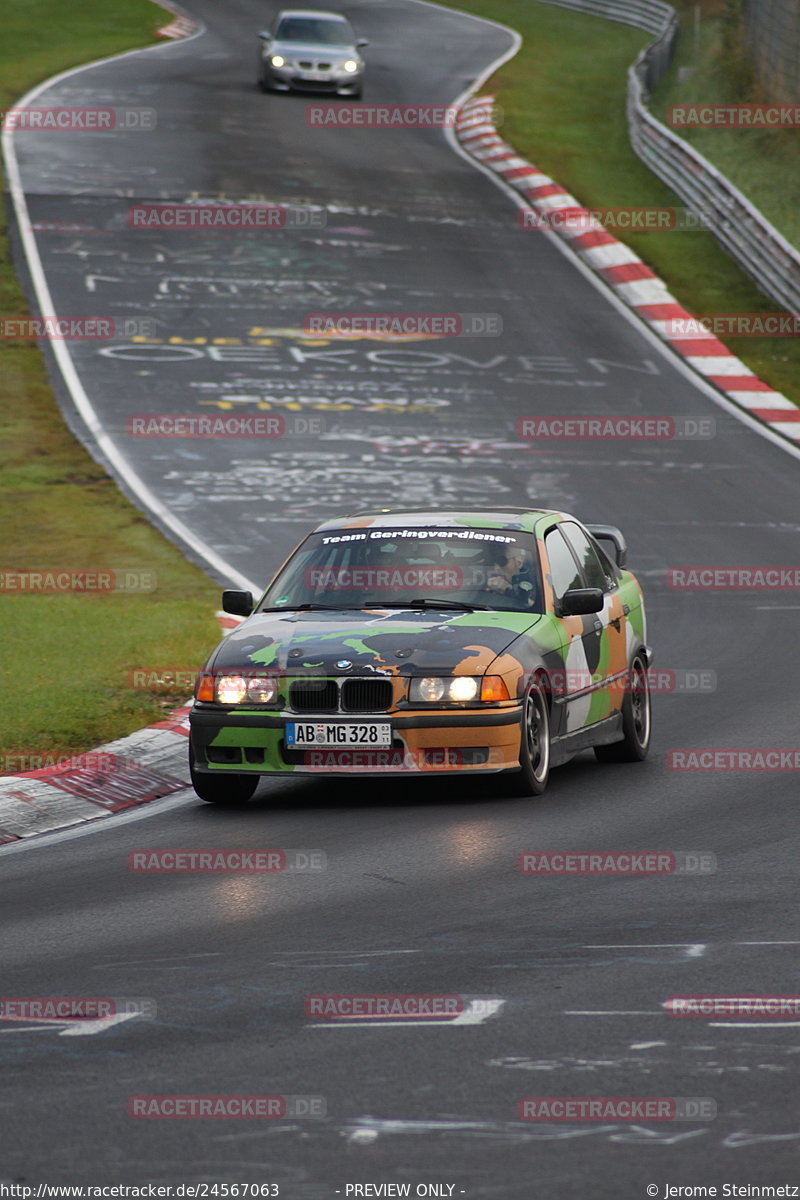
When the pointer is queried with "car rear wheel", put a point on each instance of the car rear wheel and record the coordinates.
(636, 722)
(534, 747)
(221, 789)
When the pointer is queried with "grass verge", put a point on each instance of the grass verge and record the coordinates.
(66, 659)
(563, 98)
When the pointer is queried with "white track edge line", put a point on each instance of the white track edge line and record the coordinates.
(83, 405)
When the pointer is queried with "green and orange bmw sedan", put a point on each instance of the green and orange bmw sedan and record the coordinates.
(429, 643)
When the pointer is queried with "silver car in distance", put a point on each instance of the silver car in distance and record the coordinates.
(311, 51)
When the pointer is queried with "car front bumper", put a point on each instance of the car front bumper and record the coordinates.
(471, 741)
(291, 80)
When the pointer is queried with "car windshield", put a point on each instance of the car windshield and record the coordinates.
(312, 29)
(411, 567)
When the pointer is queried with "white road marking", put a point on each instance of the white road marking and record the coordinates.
(27, 1029)
(87, 1028)
(693, 949)
(73, 1028)
(146, 962)
(347, 953)
(752, 1024)
(612, 1012)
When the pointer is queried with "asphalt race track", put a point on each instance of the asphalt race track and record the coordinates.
(421, 891)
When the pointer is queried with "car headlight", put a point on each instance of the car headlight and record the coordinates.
(238, 689)
(278, 60)
(432, 689)
(461, 689)
(351, 65)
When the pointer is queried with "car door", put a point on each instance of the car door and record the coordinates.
(605, 643)
(587, 692)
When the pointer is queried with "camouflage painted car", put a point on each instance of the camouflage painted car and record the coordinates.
(433, 643)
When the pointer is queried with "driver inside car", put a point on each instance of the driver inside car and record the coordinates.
(513, 576)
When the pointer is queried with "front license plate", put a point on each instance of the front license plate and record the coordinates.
(330, 733)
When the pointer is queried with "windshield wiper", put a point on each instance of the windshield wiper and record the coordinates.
(302, 608)
(424, 602)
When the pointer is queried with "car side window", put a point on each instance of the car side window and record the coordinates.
(564, 571)
(596, 574)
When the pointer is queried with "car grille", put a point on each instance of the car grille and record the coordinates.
(314, 695)
(366, 695)
(344, 695)
(314, 85)
(307, 65)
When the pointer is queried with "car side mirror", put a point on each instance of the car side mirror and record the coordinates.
(238, 604)
(265, 36)
(361, 43)
(579, 601)
(610, 533)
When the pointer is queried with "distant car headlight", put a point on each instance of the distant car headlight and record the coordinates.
(351, 65)
(236, 689)
(431, 689)
(278, 60)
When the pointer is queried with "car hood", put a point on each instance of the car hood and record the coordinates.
(409, 642)
(306, 49)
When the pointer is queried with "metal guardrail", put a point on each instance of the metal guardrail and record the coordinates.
(744, 231)
(644, 14)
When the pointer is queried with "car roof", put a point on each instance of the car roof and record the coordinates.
(310, 12)
(505, 517)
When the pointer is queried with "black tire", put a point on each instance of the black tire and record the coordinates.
(222, 789)
(636, 719)
(534, 749)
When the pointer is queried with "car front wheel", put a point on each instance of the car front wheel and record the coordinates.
(636, 721)
(221, 789)
(534, 746)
